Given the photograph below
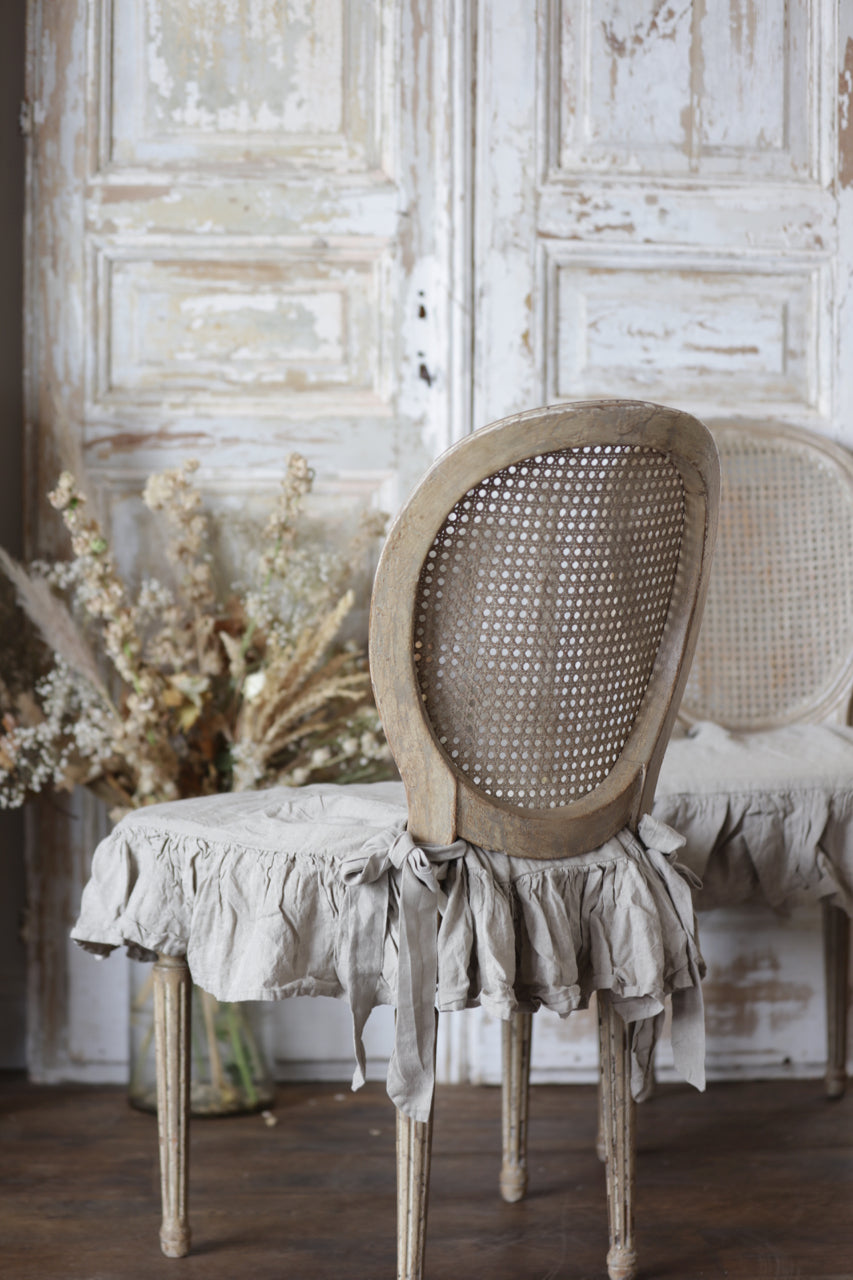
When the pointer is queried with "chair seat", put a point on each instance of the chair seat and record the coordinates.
(288, 892)
(766, 816)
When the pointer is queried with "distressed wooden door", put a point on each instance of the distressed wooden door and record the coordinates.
(663, 211)
(248, 231)
(243, 230)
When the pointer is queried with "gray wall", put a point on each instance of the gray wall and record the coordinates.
(12, 56)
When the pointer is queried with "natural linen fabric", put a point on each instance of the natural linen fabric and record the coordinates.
(765, 816)
(321, 891)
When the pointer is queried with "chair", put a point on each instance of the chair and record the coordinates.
(533, 616)
(762, 785)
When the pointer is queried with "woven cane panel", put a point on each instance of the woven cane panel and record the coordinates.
(539, 613)
(778, 625)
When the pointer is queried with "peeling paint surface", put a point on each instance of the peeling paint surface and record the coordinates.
(681, 87)
(249, 231)
(845, 117)
(238, 245)
(190, 74)
(660, 179)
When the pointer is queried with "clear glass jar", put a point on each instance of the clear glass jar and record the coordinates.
(229, 1074)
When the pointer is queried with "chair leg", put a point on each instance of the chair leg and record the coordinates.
(836, 958)
(649, 1092)
(618, 1117)
(172, 995)
(600, 1143)
(414, 1149)
(516, 1040)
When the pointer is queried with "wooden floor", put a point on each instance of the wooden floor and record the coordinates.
(748, 1181)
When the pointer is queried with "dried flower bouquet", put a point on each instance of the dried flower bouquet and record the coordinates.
(203, 695)
(173, 692)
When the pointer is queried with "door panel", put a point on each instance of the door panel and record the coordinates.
(663, 211)
(249, 230)
(241, 241)
(657, 213)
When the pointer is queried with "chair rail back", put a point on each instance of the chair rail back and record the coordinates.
(532, 614)
(776, 643)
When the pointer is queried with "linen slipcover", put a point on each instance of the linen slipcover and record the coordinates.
(321, 891)
(765, 816)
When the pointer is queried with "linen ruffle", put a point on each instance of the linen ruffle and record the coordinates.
(765, 816)
(320, 891)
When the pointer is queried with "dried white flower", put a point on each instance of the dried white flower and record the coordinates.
(253, 685)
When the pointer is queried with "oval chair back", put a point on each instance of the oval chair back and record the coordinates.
(776, 644)
(534, 614)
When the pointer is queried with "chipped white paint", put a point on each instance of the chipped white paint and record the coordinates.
(662, 212)
(249, 69)
(240, 242)
(649, 161)
(691, 89)
(672, 325)
(243, 328)
(249, 230)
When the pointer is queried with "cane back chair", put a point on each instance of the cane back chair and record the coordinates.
(761, 786)
(532, 623)
(533, 617)
(765, 808)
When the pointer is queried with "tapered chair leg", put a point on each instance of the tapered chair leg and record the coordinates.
(600, 1141)
(516, 1041)
(836, 958)
(618, 1118)
(414, 1149)
(172, 995)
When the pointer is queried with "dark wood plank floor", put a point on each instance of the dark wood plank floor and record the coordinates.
(748, 1182)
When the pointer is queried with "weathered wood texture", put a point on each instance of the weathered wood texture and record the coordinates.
(515, 1099)
(414, 1158)
(245, 234)
(762, 1176)
(617, 500)
(488, 542)
(664, 210)
(617, 1138)
(658, 211)
(12, 953)
(663, 207)
(836, 947)
(172, 1011)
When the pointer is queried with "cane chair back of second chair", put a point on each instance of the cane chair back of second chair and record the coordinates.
(533, 618)
(776, 644)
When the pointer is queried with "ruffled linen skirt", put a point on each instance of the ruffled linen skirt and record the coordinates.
(766, 817)
(320, 891)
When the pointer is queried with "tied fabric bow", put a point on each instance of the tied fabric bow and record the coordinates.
(658, 848)
(360, 946)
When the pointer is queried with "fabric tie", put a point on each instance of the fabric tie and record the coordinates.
(359, 954)
(657, 836)
(657, 848)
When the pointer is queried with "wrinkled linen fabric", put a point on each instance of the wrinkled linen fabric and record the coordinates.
(766, 816)
(321, 891)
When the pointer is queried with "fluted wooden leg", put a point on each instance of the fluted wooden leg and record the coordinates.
(600, 1143)
(618, 1116)
(414, 1151)
(414, 1148)
(836, 957)
(516, 1040)
(172, 994)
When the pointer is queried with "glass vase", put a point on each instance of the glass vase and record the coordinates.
(229, 1071)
